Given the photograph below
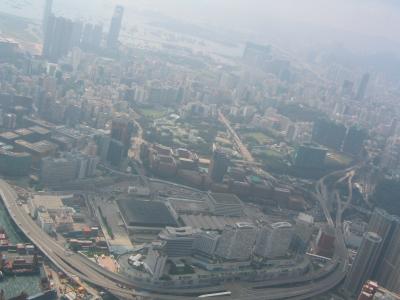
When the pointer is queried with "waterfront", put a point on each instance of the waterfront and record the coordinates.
(13, 286)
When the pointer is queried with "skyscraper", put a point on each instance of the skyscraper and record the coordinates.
(115, 27)
(122, 130)
(388, 267)
(364, 263)
(354, 140)
(46, 14)
(92, 37)
(362, 88)
(57, 39)
(218, 166)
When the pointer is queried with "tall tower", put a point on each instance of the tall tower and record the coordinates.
(122, 131)
(48, 7)
(364, 263)
(57, 38)
(115, 27)
(362, 89)
(219, 165)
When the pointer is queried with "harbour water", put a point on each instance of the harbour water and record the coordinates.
(14, 286)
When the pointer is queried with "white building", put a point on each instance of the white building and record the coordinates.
(237, 242)
(273, 240)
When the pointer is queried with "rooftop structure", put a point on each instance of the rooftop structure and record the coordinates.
(146, 213)
(225, 204)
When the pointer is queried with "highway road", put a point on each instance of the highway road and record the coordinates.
(241, 147)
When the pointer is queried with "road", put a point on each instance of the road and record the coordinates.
(238, 143)
(247, 157)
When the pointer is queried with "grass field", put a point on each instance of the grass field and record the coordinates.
(340, 159)
(152, 113)
(260, 137)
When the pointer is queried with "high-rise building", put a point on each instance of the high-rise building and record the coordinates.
(57, 39)
(273, 240)
(237, 242)
(122, 131)
(46, 14)
(364, 263)
(219, 165)
(115, 27)
(347, 88)
(388, 267)
(92, 37)
(256, 55)
(116, 153)
(76, 34)
(354, 140)
(380, 223)
(362, 88)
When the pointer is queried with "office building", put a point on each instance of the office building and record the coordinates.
(256, 55)
(178, 241)
(57, 38)
(362, 88)
(222, 204)
(116, 153)
(219, 165)
(364, 263)
(380, 222)
(237, 242)
(92, 37)
(354, 140)
(15, 163)
(347, 88)
(115, 27)
(206, 243)
(56, 171)
(388, 266)
(76, 34)
(122, 130)
(48, 7)
(273, 240)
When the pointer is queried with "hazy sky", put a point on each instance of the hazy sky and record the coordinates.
(376, 17)
(301, 19)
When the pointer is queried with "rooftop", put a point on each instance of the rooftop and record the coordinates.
(9, 135)
(48, 201)
(225, 198)
(146, 213)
